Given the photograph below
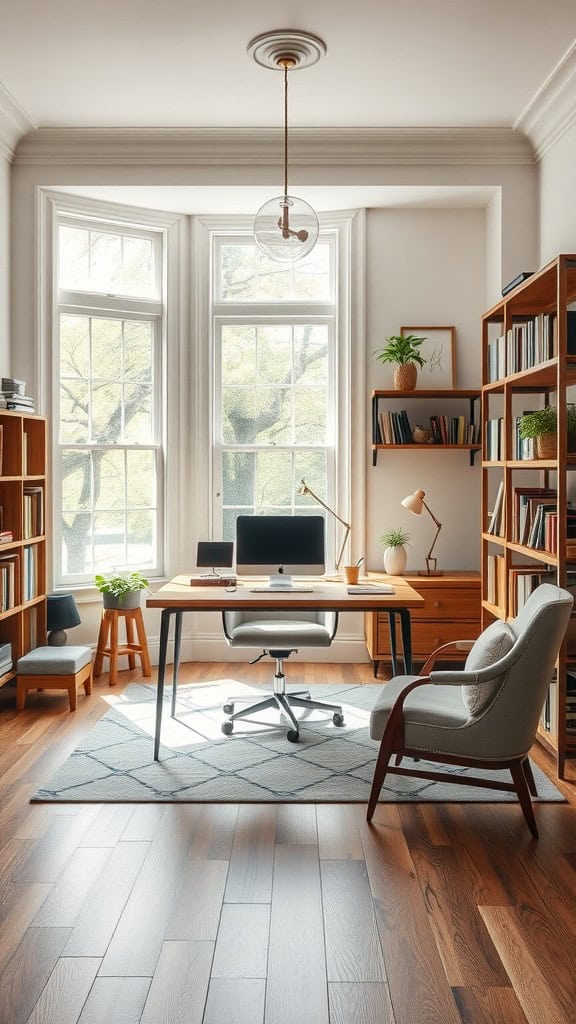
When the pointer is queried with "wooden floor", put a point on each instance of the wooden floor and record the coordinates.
(273, 914)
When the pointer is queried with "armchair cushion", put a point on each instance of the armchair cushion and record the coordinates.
(436, 708)
(496, 641)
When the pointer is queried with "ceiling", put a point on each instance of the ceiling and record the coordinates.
(182, 63)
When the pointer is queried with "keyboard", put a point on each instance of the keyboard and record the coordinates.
(281, 590)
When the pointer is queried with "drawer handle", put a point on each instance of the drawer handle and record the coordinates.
(437, 604)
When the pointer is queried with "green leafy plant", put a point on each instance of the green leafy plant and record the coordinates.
(545, 421)
(401, 350)
(394, 537)
(120, 583)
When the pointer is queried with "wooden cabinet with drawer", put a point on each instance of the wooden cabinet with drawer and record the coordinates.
(451, 612)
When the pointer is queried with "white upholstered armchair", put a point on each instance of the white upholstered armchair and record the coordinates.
(485, 715)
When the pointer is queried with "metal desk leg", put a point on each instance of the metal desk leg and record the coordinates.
(164, 629)
(404, 614)
(392, 628)
(177, 638)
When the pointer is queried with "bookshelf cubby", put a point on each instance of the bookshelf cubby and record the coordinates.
(23, 553)
(527, 364)
(440, 401)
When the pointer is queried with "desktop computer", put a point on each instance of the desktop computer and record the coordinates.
(282, 547)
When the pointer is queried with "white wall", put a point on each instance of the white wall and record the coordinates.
(4, 266)
(426, 267)
(557, 205)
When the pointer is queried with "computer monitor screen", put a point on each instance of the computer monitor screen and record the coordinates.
(291, 545)
(215, 553)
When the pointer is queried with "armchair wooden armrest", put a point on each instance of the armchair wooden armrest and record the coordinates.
(460, 645)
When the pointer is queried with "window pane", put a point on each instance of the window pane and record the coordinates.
(238, 475)
(138, 350)
(106, 406)
(74, 346)
(106, 261)
(140, 479)
(311, 354)
(109, 540)
(73, 411)
(76, 479)
(246, 275)
(273, 479)
(275, 355)
(238, 355)
(77, 543)
(257, 415)
(109, 480)
(106, 348)
(138, 414)
(310, 415)
(313, 468)
(141, 538)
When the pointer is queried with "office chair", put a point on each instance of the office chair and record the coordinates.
(280, 637)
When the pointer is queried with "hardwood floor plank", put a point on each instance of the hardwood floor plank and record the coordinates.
(50, 854)
(242, 943)
(27, 972)
(198, 901)
(19, 902)
(180, 984)
(296, 823)
(296, 988)
(552, 949)
(235, 1001)
(143, 823)
(252, 858)
(338, 836)
(353, 950)
(108, 825)
(534, 994)
(99, 916)
(66, 991)
(467, 952)
(213, 835)
(489, 1006)
(62, 906)
(360, 1003)
(418, 986)
(115, 1001)
(137, 941)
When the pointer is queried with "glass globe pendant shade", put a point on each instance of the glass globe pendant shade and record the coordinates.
(286, 229)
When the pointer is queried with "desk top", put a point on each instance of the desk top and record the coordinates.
(326, 596)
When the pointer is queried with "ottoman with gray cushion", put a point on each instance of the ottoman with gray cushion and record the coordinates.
(54, 668)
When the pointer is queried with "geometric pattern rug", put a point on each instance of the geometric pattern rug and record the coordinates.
(330, 764)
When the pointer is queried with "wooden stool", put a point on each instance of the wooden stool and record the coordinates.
(109, 632)
(54, 668)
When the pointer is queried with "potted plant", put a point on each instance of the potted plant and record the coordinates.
(395, 556)
(542, 424)
(121, 589)
(404, 352)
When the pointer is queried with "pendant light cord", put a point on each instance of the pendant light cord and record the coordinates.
(285, 129)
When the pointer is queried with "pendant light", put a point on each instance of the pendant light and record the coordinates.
(286, 228)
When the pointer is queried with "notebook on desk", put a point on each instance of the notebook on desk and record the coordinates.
(369, 588)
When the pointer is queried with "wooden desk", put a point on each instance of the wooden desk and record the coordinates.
(178, 596)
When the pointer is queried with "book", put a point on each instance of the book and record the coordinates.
(522, 276)
(369, 588)
(213, 581)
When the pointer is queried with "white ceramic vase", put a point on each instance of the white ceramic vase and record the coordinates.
(395, 560)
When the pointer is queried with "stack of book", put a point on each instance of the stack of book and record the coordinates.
(13, 395)
(5, 658)
(496, 580)
(496, 522)
(522, 580)
(30, 574)
(527, 344)
(395, 428)
(33, 521)
(7, 581)
(495, 439)
(530, 508)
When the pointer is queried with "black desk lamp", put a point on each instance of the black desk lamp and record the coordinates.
(61, 614)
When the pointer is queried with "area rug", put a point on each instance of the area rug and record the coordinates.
(198, 763)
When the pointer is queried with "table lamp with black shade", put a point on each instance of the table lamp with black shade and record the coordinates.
(61, 614)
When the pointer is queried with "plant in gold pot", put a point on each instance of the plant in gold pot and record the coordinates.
(395, 556)
(404, 352)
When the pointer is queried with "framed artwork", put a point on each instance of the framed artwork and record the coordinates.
(439, 351)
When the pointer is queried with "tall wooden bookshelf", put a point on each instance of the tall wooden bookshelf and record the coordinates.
(529, 375)
(23, 514)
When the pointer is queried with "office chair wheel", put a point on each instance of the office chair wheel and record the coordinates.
(228, 709)
(292, 736)
(227, 728)
(337, 718)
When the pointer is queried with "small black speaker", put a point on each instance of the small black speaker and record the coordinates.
(215, 553)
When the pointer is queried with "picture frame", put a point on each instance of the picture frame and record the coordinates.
(439, 351)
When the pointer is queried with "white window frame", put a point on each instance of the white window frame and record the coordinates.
(348, 490)
(168, 229)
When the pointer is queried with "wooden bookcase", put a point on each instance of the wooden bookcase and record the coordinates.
(547, 294)
(442, 409)
(22, 559)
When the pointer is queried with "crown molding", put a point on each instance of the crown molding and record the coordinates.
(14, 123)
(552, 110)
(263, 146)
